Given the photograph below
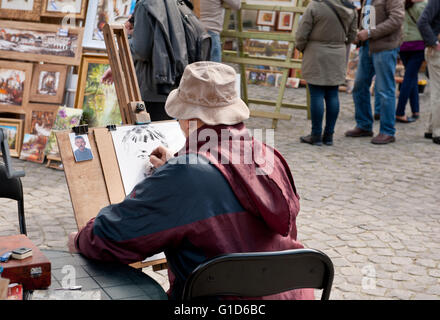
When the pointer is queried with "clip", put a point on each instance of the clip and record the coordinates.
(81, 129)
(111, 127)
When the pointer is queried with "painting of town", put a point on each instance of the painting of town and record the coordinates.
(11, 86)
(38, 42)
(267, 48)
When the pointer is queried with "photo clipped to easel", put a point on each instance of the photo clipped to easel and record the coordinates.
(81, 147)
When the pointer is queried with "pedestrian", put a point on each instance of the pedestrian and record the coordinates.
(380, 38)
(326, 29)
(196, 206)
(159, 52)
(212, 16)
(429, 26)
(412, 54)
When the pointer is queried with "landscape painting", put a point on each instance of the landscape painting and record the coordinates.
(134, 144)
(97, 99)
(13, 130)
(33, 148)
(40, 42)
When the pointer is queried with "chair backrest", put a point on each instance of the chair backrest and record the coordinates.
(260, 274)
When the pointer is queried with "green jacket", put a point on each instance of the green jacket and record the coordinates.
(410, 30)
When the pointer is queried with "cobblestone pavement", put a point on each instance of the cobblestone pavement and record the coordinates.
(373, 209)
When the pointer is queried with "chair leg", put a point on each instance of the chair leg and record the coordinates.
(21, 218)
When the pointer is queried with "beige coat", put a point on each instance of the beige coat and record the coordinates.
(324, 43)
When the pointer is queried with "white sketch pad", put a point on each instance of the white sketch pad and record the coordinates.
(134, 144)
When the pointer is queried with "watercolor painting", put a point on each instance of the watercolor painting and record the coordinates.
(134, 144)
(33, 148)
(12, 86)
(13, 129)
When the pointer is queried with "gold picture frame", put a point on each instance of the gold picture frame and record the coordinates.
(20, 9)
(56, 10)
(48, 83)
(43, 42)
(15, 83)
(14, 132)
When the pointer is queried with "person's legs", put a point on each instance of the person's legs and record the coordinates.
(216, 46)
(433, 60)
(331, 113)
(317, 94)
(157, 111)
(361, 90)
(376, 104)
(385, 66)
(414, 97)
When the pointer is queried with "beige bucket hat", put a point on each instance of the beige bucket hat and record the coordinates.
(207, 92)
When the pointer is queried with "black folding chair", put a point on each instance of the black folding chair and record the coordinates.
(261, 274)
(10, 182)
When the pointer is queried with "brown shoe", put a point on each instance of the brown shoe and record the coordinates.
(358, 132)
(382, 139)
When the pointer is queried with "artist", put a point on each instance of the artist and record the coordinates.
(195, 207)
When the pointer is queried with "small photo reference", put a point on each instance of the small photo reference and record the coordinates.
(81, 147)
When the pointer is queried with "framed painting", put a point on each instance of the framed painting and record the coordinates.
(60, 8)
(33, 148)
(48, 83)
(266, 48)
(100, 12)
(20, 9)
(266, 18)
(15, 81)
(286, 3)
(40, 42)
(14, 132)
(98, 101)
(40, 118)
(285, 21)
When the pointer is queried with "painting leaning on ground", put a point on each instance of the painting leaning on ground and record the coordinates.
(38, 42)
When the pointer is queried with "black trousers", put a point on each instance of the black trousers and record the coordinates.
(157, 111)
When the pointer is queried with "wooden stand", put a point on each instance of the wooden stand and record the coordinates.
(54, 162)
(243, 59)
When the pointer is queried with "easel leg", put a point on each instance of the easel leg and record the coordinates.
(280, 97)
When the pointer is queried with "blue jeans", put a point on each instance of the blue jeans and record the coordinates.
(216, 46)
(409, 90)
(383, 65)
(319, 94)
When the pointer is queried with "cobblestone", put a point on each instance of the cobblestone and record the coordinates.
(373, 209)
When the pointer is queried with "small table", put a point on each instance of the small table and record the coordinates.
(99, 280)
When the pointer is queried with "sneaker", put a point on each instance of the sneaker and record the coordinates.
(313, 140)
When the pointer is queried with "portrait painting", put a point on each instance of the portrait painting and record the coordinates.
(15, 80)
(65, 119)
(285, 21)
(134, 144)
(20, 9)
(40, 42)
(60, 8)
(81, 147)
(48, 83)
(266, 18)
(33, 148)
(13, 129)
(97, 99)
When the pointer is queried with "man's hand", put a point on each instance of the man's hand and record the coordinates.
(362, 35)
(159, 156)
(71, 242)
(107, 77)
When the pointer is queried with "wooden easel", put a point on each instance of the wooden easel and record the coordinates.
(124, 75)
(243, 59)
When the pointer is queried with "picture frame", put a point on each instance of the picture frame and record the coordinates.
(28, 10)
(100, 12)
(40, 118)
(98, 101)
(285, 21)
(266, 18)
(266, 48)
(73, 8)
(48, 83)
(14, 131)
(42, 42)
(15, 82)
(284, 3)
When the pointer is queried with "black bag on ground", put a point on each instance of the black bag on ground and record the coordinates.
(198, 40)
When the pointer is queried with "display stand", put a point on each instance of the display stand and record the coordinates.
(243, 59)
(54, 162)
